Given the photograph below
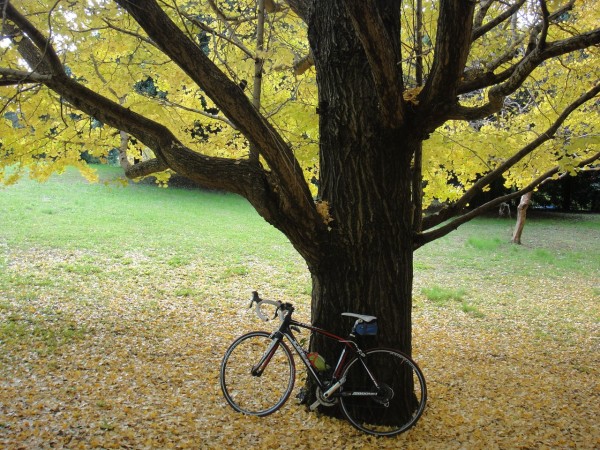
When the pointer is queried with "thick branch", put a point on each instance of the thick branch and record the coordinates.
(145, 168)
(423, 238)
(383, 54)
(219, 173)
(239, 176)
(271, 6)
(451, 50)
(216, 172)
(452, 210)
(47, 59)
(545, 24)
(301, 65)
(280, 195)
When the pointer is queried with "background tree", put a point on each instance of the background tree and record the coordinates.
(492, 89)
(521, 217)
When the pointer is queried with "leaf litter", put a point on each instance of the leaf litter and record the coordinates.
(127, 356)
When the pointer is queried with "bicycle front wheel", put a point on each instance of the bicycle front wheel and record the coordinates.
(251, 392)
(399, 400)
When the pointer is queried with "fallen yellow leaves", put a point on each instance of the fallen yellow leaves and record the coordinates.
(137, 368)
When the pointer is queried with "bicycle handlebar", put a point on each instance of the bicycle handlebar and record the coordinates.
(259, 302)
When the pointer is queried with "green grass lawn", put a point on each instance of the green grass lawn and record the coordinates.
(69, 213)
(142, 228)
(117, 304)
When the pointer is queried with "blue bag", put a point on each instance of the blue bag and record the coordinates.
(366, 329)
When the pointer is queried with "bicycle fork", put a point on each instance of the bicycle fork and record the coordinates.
(258, 369)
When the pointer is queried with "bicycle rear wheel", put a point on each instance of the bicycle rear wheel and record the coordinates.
(257, 395)
(400, 400)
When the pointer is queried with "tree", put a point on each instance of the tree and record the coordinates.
(521, 217)
(390, 75)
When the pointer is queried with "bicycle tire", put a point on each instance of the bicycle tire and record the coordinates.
(401, 400)
(251, 394)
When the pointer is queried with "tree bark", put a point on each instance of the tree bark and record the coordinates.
(366, 263)
(521, 216)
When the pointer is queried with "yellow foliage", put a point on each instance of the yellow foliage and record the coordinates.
(39, 125)
(324, 211)
(410, 95)
(113, 63)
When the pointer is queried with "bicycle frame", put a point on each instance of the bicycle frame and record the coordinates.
(350, 348)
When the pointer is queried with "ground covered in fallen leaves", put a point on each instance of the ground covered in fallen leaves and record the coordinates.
(90, 364)
(116, 307)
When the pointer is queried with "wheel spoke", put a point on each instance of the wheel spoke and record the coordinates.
(257, 394)
(400, 399)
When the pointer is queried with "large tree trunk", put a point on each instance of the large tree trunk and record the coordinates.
(366, 265)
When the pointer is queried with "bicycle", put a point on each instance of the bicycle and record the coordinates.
(381, 391)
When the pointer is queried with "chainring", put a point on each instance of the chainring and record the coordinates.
(325, 401)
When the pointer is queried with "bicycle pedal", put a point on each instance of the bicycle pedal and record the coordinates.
(315, 405)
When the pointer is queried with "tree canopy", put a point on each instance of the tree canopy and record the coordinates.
(512, 89)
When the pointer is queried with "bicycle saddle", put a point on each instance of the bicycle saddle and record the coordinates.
(362, 317)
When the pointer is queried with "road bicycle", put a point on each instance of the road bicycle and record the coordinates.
(380, 391)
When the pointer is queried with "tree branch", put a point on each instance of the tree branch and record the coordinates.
(238, 176)
(280, 195)
(423, 238)
(145, 168)
(301, 65)
(382, 53)
(451, 51)
(519, 74)
(47, 59)
(484, 6)
(241, 177)
(300, 7)
(11, 77)
(545, 25)
(225, 93)
(450, 211)
(480, 30)
(488, 78)
(283, 197)
(233, 39)
(287, 175)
